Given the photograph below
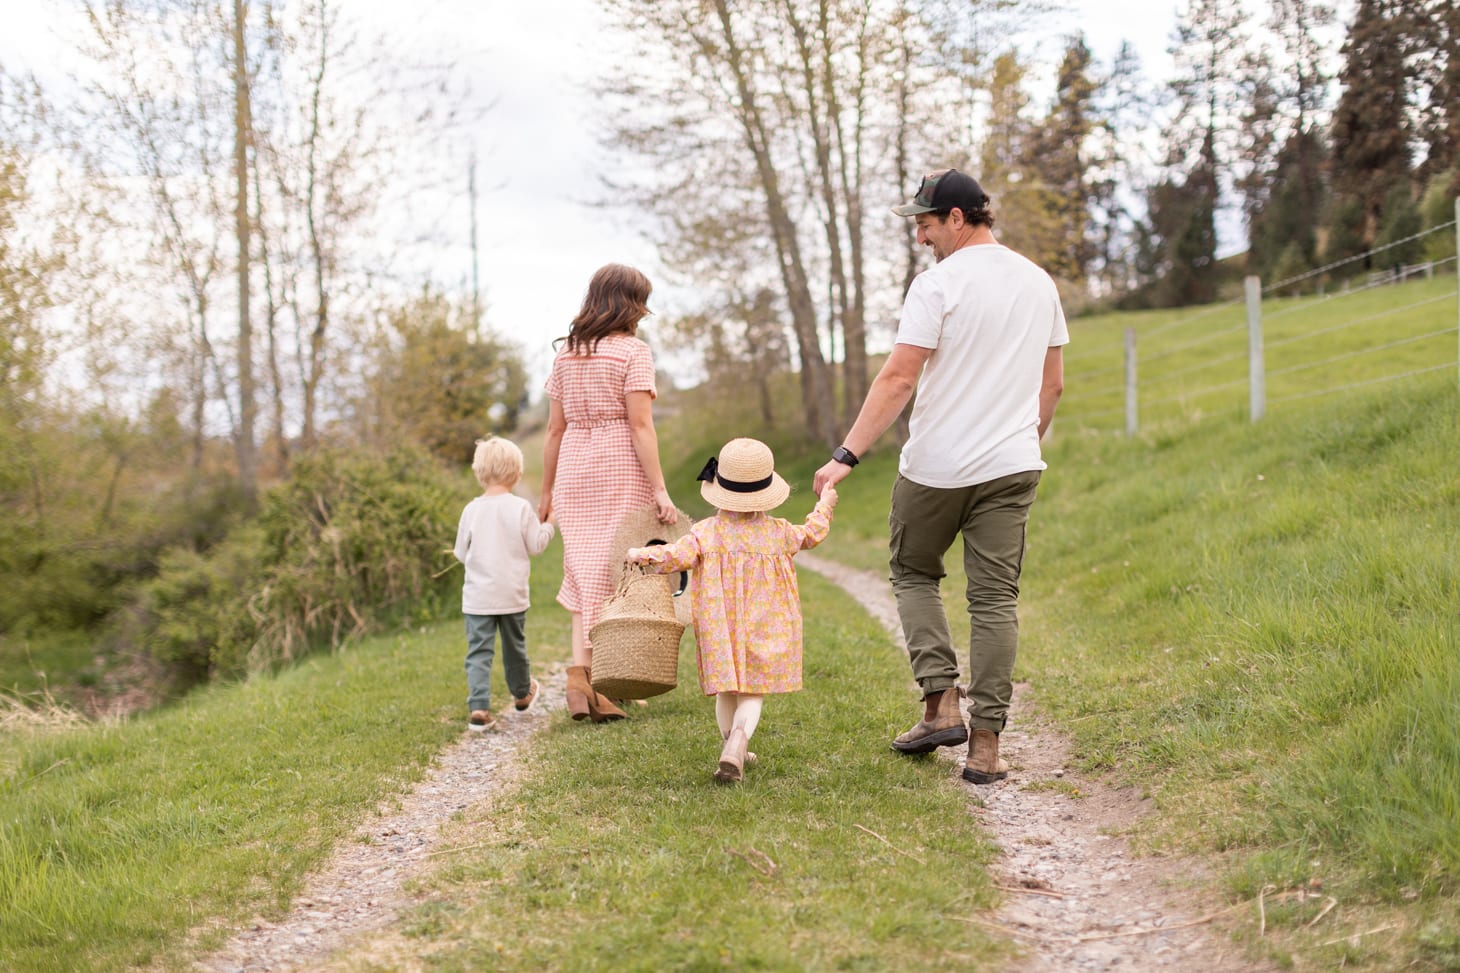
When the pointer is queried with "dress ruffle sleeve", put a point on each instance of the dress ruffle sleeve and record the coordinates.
(681, 555)
(818, 524)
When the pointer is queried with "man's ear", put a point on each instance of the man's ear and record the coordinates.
(956, 218)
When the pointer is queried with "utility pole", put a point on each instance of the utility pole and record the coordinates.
(476, 293)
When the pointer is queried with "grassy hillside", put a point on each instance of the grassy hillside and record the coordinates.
(1260, 624)
(1257, 624)
(1192, 363)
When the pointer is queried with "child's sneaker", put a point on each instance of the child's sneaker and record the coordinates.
(523, 702)
(480, 720)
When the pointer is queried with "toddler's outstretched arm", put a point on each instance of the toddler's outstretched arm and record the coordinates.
(682, 555)
(818, 522)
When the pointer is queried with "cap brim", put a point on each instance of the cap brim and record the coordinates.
(911, 209)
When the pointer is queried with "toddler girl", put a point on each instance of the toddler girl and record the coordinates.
(747, 608)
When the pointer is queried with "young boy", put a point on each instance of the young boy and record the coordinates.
(499, 532)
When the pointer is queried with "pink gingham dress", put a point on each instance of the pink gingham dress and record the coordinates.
(747, 605)
(599, 477)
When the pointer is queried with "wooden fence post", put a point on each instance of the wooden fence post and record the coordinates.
(1130, 381)
(1256, 377)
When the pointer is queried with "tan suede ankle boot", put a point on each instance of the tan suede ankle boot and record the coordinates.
(580, 691)
(945, 730)
(600, 707)
(983, 765)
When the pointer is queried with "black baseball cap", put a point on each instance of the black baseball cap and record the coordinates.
(944, 190)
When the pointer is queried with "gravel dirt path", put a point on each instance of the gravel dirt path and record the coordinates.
(1077, 899)
(359, 890)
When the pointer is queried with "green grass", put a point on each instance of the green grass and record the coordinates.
(620, 852)
(1259, 624)
(1192, 362)
(1256, 624)
(141, 842)
(119, 840)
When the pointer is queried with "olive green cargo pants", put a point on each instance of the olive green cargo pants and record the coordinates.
(924, 523)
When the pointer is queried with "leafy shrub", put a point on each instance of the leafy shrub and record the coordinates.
(195, 614)
(350, 541)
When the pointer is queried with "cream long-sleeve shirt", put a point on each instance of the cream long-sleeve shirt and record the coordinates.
(495, 540)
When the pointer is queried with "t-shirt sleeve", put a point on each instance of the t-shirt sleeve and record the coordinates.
(639, 375)
(1060, 332)
(554, 384)
(921, 323)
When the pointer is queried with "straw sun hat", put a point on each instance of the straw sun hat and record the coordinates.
(743, 478)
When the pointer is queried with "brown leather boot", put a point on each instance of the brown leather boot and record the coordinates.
(983, 765)
(945, 730)
(600, 707)
(580, 691)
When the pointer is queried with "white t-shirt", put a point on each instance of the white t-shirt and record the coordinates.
(990, 316)
(496, 538)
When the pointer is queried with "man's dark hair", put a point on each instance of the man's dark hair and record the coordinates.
(983, 216)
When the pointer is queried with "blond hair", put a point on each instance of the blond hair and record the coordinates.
(497, 461)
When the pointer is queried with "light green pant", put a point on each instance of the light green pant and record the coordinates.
(924, 523)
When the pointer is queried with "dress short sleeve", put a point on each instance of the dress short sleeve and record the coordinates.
(639, 375)
(554, 384)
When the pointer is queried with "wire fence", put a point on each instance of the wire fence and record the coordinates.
(1278, 349)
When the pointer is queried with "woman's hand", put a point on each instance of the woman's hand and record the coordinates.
(665, 508)
(545, 508)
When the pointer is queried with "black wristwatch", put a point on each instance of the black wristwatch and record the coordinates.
(844, 456)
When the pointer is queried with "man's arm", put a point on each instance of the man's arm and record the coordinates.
(890, 392)
(1051, 387)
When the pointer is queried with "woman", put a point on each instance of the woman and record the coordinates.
(601, 457)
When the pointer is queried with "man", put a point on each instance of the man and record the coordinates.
(980, 341)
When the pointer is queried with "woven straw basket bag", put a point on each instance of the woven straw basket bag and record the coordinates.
(636, 638)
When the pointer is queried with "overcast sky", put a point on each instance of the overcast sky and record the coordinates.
(539, 240)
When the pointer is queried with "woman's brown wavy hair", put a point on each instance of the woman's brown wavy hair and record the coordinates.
(617, 300)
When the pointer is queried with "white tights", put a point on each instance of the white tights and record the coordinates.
(737, 709)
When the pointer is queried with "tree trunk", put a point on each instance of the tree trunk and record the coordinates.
(242, 124)
(314, 359)
(816, 390)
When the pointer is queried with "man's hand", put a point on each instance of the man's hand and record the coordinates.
(829, 476)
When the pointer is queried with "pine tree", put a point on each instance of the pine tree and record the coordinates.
(1124, 102)
(1437, 24)
(1346, 238)
(1284, 212)
(1059, 158)
(1371, 130)
(1209, 54)
(1401, 222)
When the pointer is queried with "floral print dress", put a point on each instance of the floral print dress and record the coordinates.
(747, 606)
